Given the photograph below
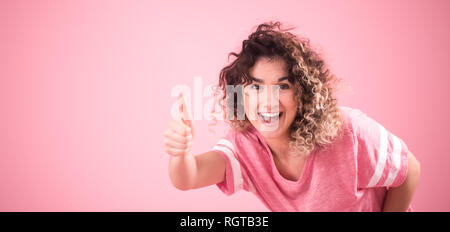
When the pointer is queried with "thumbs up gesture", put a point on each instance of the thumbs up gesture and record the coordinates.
(179, 135)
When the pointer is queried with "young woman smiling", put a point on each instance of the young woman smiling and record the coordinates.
(296, 149)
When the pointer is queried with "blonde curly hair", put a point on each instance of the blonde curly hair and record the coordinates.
(318, 120)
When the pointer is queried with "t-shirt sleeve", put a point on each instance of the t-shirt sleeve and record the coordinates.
(382, 157)
(235, 177)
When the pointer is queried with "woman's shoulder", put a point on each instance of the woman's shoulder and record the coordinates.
(350, 112)
(357, 120)
(352, 117)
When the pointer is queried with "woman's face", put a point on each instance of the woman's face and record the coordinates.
(269, 101)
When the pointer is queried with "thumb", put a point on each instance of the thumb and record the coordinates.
(186, 116)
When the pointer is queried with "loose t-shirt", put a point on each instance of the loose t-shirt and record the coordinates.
(351, 174)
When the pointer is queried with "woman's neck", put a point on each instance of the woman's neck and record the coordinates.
(279, 146)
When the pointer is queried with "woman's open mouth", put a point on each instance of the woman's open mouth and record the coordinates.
(270, 118)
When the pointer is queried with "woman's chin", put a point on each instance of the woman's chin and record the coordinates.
(270, 131)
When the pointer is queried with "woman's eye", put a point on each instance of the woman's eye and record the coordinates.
(284, 86)
(254, 87)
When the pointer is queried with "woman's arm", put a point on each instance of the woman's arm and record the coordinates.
(191, 172)
(399, 198)
(187, 171)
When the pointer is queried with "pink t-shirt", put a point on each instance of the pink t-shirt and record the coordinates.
(351, 174)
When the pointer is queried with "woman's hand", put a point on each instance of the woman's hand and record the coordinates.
(179, 135)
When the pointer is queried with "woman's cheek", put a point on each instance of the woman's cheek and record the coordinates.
(288, 101)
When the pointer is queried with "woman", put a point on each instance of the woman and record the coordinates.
(294, 148)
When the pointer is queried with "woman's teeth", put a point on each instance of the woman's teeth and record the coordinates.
(268, 117)
(269, 114)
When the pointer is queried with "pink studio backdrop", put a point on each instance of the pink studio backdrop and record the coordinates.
(85, 92)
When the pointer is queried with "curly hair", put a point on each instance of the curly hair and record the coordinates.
(318, 120)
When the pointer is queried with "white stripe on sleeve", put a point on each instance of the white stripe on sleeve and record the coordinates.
(382, 155)
(396, 161)
(227, 143)
(227, 147)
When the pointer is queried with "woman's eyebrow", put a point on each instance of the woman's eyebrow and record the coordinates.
(282, 79)
(256, 80)
(261, 81)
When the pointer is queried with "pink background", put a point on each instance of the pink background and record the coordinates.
(85, 92)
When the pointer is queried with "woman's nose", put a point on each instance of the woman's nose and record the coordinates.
(270, 99)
